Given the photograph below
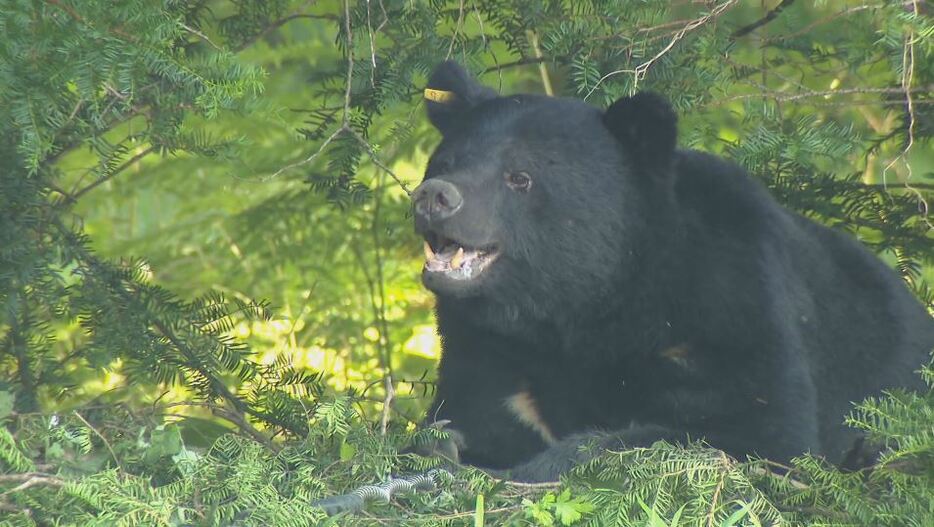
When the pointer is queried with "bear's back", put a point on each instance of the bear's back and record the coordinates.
(861, 326)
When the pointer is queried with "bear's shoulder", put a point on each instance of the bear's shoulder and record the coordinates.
(715, 194)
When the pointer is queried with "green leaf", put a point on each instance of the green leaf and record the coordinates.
(164, 441)
(347, 451)
(570, 510)
(539, 511)
(737, 515)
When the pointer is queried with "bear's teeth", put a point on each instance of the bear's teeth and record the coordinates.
(458, 259)
(429, 254)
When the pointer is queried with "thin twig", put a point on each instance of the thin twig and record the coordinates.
(385, 343)
(520, 62)
(104, 439)
(822, 21)
(523, 485)
(345, 115)
(117, 31)
(376, 161)
(457, 28)
(341, 129)
(762, 471)
(234, 417)
(641, 70)
(348, 30)
(200, 35)
(908, 71)
(716, 493)
(345, 126)
(126, 164)
(782, 96)
(906, 186)
(467, 514)
(277, 24)
(770, 16)
(29, 479)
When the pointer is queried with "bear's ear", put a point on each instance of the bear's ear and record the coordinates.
(645, 124)
(451, 92)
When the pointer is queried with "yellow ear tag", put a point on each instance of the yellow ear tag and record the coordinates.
(440, 96)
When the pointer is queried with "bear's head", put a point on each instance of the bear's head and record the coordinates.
(532, 205)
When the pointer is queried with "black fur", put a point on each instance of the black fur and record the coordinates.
(645, 293)
(646, 124)
(450, 77)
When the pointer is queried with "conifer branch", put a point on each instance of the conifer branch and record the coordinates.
(825, 20)
(642, 69)
(84, 69)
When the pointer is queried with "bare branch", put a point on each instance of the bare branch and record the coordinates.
(279, 23)
(520, 62)
(29, 479)
(642, 69)
(908, 71)
(457, 28)
(340, 130)
(231, 416)
(126, 164)
(200, 35)
(376, 161)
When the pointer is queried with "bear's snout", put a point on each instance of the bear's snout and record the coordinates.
(436, 200)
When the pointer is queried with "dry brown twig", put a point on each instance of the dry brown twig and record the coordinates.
(908, 71)
(457, 28)
(29, 479)
(641, 70)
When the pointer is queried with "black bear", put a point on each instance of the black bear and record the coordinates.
(596, 283)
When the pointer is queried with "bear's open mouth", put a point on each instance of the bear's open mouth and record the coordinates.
(454, 260)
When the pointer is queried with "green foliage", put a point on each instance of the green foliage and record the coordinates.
(164, 163)
(559, 509)
(158, 479)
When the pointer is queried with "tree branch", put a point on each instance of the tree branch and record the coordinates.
(126, 164)
(781, 96)
(642, 70)
(104, 439)
(520, 62)
(29, 479)
(276, 25)
(770, 16)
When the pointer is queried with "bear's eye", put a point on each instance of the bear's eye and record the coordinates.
(520, 181)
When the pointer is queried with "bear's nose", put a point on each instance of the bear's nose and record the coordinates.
(436, 200)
